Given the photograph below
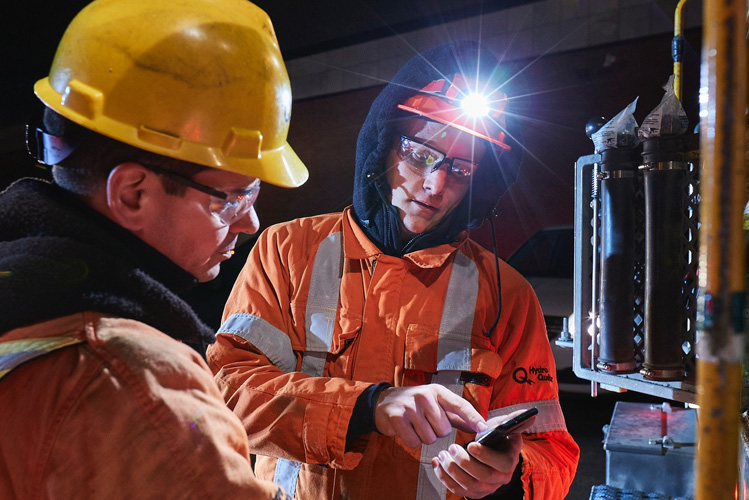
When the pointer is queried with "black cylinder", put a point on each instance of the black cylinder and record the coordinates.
(664, 184)
(616, 311)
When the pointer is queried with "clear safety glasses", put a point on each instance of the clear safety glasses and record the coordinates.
(425, 159)
(228, 207)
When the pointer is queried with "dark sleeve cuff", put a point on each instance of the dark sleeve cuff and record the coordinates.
(363, 417)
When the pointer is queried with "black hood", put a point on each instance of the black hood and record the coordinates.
(374, 213)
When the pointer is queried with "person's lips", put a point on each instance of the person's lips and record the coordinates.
(227, 251)
(426, 206)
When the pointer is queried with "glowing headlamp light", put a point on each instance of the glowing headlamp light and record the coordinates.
(475, 105)
(451, 102)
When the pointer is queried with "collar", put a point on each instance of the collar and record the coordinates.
(40, 208)
(357, 245)
(63, 257)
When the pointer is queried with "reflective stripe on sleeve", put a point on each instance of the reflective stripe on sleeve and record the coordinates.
(549, 418)
(271, 341)
(16, 352)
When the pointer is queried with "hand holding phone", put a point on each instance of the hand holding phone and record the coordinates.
(495, 437)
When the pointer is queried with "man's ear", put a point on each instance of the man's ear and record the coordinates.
(129, 189)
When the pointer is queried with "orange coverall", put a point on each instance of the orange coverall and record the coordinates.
(318, 314)
(106, 407)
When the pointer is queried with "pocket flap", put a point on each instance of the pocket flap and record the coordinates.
(421, 348)
(427, 352)
(487, 363)
(350, 328)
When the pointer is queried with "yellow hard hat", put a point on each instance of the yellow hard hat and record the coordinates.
(197, 80)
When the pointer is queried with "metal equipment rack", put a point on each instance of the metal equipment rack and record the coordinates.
(587, 241)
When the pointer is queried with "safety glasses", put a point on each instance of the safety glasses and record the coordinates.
(228, 207)
(425, 159)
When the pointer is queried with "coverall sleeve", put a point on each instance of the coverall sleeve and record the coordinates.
(136, 415)
(528, 378)
(256, 360)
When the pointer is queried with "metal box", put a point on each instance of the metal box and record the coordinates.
(651, 448)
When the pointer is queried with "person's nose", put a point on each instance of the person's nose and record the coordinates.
(434, 182)
(248, 223)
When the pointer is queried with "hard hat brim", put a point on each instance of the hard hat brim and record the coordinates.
(453, 123)
(279, 166)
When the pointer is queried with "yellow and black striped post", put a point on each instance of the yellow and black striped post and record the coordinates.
(677, 47)
(720, 329)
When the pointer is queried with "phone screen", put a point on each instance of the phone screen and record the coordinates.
(495, 437)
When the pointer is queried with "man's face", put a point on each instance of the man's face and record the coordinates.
(424, 198)
(185, 230)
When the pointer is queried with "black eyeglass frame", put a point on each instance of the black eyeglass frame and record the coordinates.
(186, 181)
(448, 160)
(250, 194)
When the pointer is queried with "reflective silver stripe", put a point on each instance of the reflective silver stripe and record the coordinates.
(16, 352)
(320, 318)
(453, 357)
(454, 348)
(286, 475)
(322, 304)
(549, 418)
(428, 486)
(271, 341)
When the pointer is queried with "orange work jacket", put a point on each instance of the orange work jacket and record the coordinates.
(318, 314)
(94, 406)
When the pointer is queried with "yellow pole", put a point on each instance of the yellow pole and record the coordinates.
(720, 329)
(677, 46)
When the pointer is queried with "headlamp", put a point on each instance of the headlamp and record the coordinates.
(475, 105)
(452, 102)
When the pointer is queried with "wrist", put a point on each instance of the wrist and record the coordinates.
(374, 398)
(362, 420)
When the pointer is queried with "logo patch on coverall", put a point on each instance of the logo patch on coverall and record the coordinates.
(525, 376)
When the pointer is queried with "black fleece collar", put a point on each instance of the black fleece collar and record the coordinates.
(58, 257)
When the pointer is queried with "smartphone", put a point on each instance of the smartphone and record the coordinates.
(494, 438)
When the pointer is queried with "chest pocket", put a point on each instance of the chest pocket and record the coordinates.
(428, 355)
(422, 348)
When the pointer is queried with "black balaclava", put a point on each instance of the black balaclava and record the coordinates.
(374, 213)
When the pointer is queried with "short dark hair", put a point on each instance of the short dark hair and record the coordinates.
(88, 167)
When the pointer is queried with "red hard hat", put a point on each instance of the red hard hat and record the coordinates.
(443, 101)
